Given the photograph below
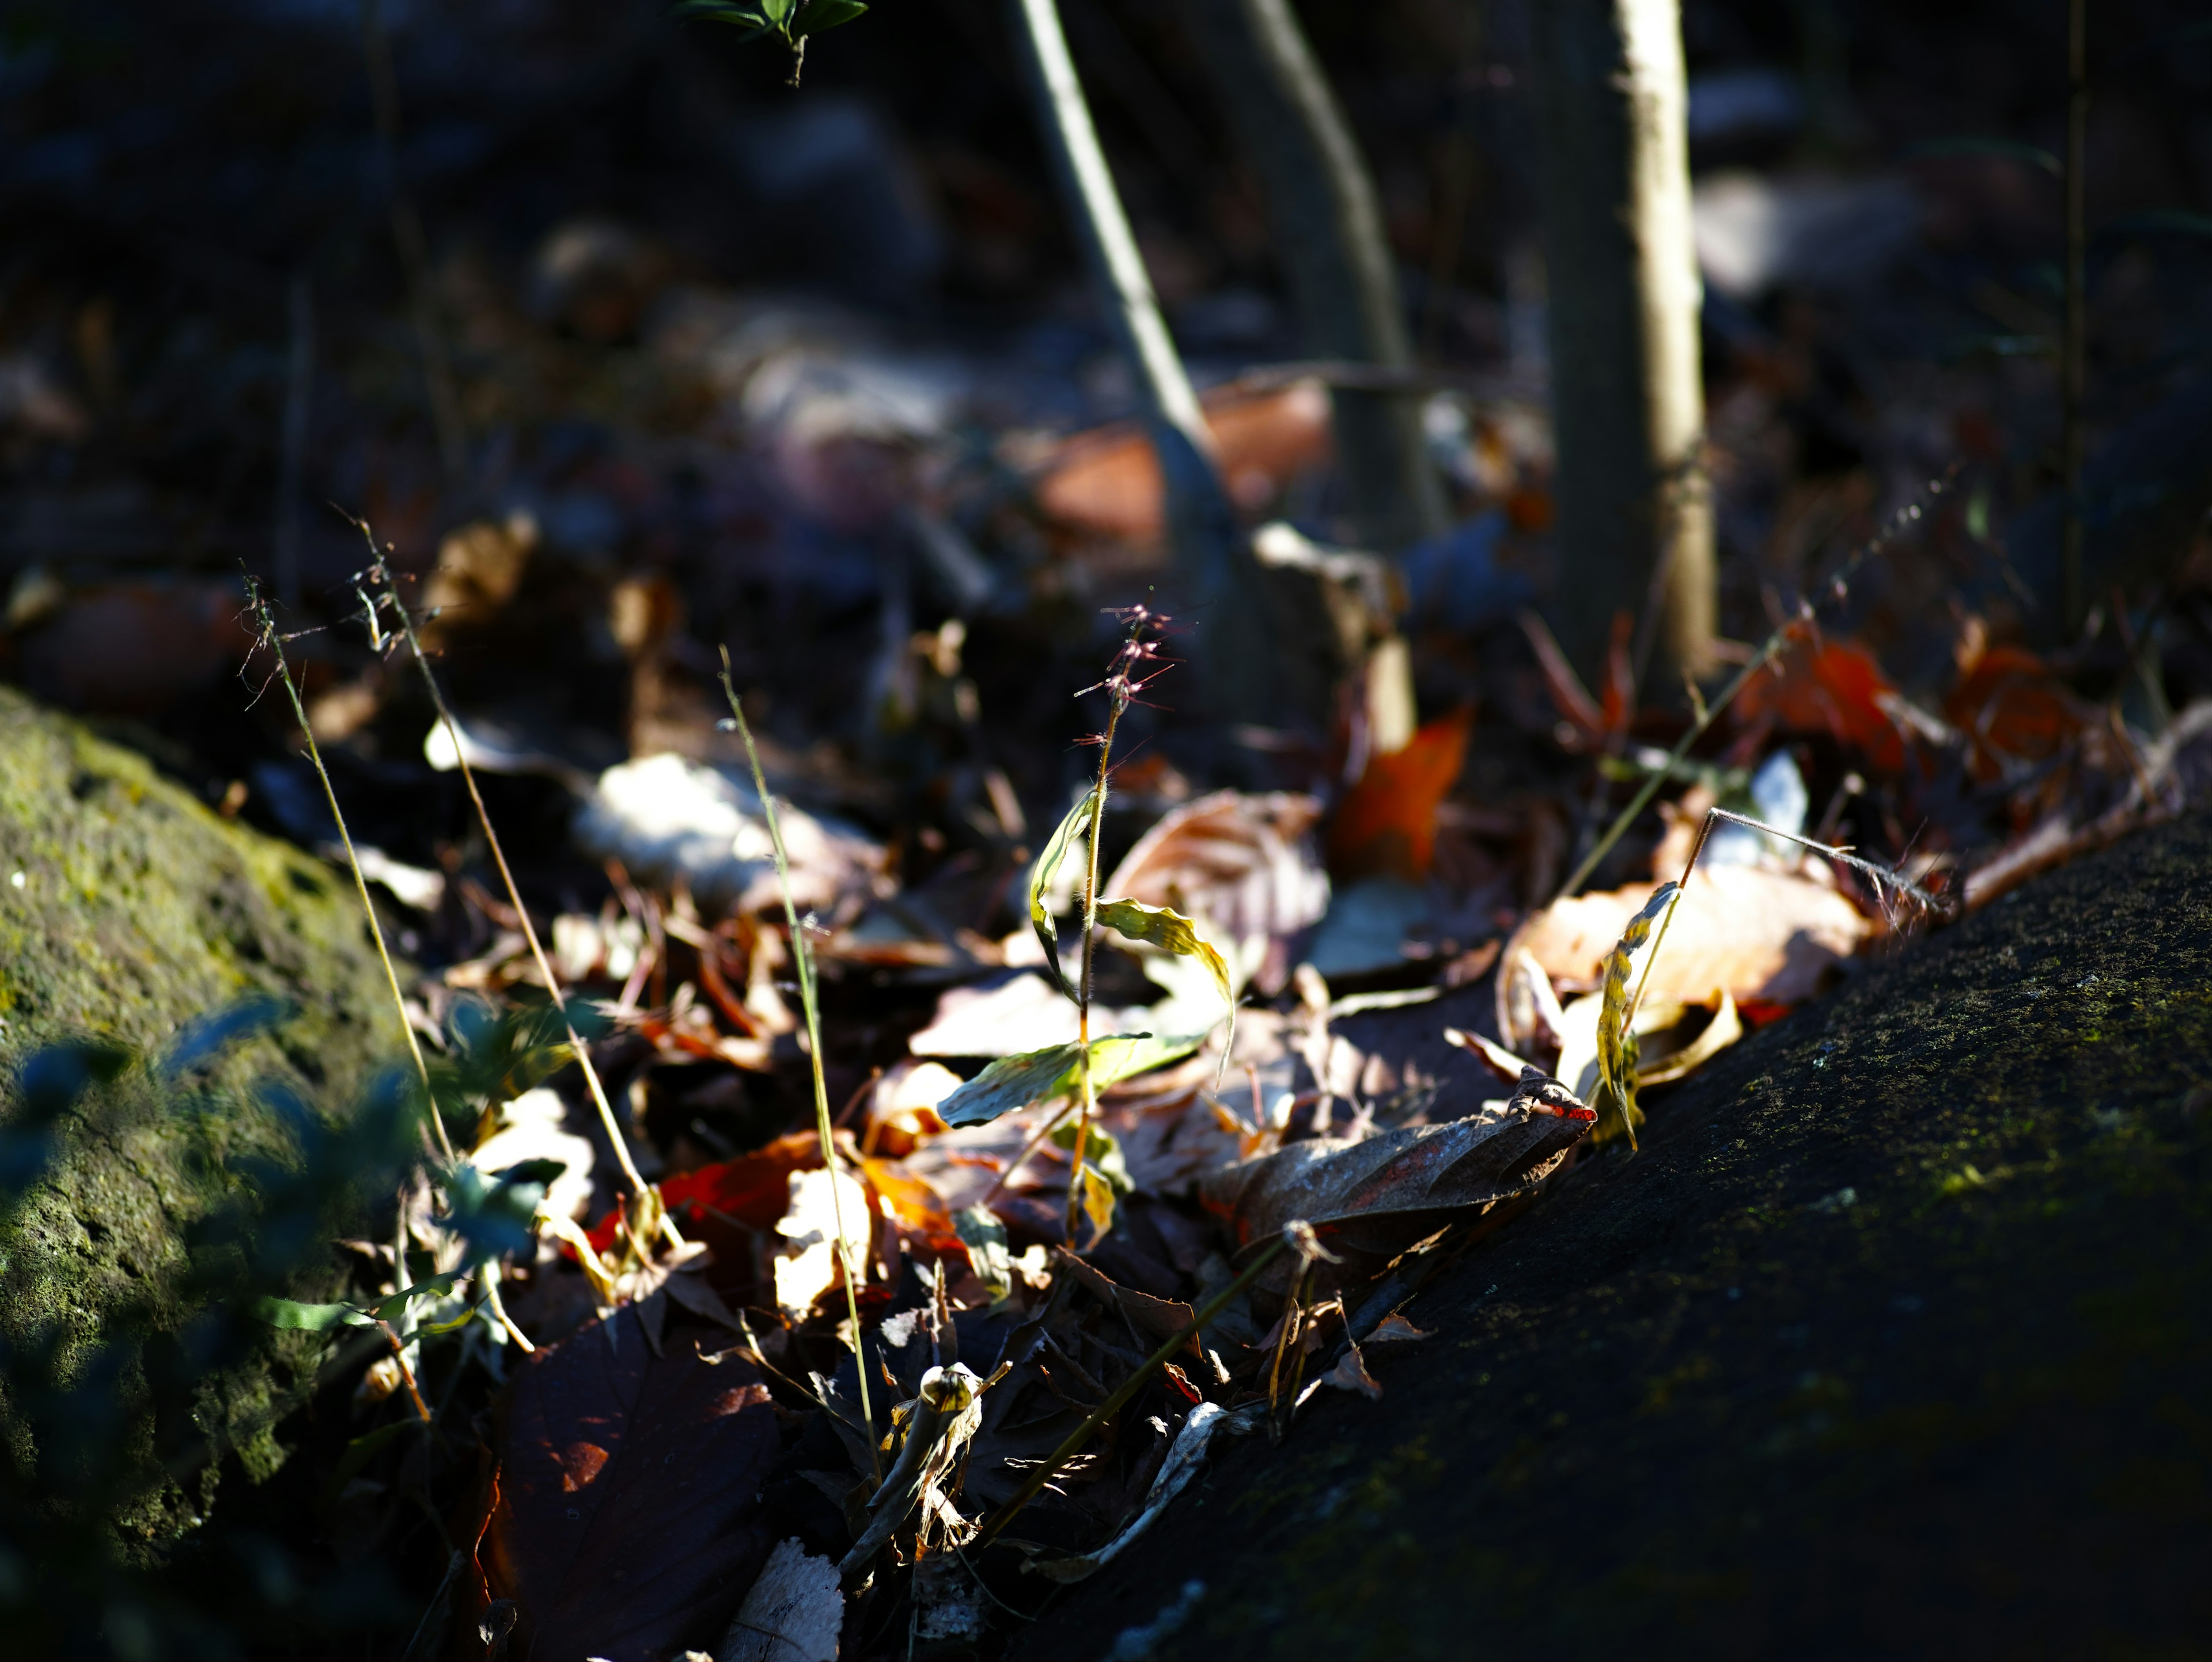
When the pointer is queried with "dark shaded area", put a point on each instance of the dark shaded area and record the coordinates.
(1896, 1339)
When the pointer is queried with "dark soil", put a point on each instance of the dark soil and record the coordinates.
(1895, 1340)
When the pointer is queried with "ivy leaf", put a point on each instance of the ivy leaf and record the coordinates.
(1041, 880)
(819, 14)
(1616, 1038)
(1171, 931)
(1016, 1082)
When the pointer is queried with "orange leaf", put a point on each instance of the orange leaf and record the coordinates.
(1829, 687)
(1387, 823)
(2011, 707)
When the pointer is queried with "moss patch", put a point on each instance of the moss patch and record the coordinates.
(127, 910)
(1896, 1339)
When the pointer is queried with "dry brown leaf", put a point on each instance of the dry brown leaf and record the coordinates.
(1244, 865)
(1764, 935)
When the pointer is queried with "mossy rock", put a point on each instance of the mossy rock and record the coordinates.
(1894, 1340)
(128, 910)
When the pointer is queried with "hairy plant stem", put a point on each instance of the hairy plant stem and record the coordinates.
(639, 1189)
(1075, 1180)
(269, 638)
(1837, 585)
(803, 956)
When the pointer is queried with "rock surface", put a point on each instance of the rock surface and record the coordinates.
(127, 910)
(1895, 1340)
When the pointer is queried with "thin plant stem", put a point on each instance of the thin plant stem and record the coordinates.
(1075, 1180)
(406, 1373)
(1769, 649)
(803, 956)
(269, 638)
(1072, 1443)
(613, 1128)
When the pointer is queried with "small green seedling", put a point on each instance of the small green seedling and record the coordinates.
(789, 21)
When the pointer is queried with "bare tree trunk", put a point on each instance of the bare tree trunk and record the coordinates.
(1635, 513)
(1328, 226)
(1218, 578)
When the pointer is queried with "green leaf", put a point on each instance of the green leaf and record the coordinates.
(1040, 877)
(721, 11)
(1045, 1075)
(436, 1287)
(310, 1318)
(985, 1238)
(1105, 1173)
(1615, 1096)
(1171, 931)
(819, 14)
(777, 12)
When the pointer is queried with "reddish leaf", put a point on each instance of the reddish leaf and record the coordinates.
(1830, 686)
(1387, 823)
(753, 1190)
(626, 1525)
(2011, 709)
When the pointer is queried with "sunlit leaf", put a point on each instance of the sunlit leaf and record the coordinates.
(1615, 1102)
(985, 1238)
(1046, 1076)
(1040, 881)
(291, 1314)
(1171, 931)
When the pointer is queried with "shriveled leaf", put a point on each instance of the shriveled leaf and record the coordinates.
(1351, 1375)
(806, 1265)
(1242, 865)
(1394, 1329)
(1046, 1076)
(1042, 876)
(1185, 1457)
(1410, 1173)
(1171, 931)
(1766, 935)
(1722, 1031)
(793, 1613)
(985, 1238)
(1615, 1102)
(627, 1518)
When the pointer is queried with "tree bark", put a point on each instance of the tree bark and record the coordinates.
(1635, 515)
(1329, 227)
(1217, 578)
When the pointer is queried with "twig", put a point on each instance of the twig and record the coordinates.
(802, 954)
(1837, 585)
(399, 1357)
(380, 572)
(1072, 1443)
(266, 635)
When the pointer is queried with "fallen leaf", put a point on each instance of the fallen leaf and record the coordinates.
(1046, 1076)
(805, 1266)
(2012, 711)
(1828, 685)
(1529, 1019)
(1386, 823)
(795, 1612)
(1351, 1373)
(1772, 937)
(1244, 865)
(627, 1522)
(1466, 1164)
(1394, 1329)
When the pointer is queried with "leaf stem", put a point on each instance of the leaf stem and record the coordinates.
(803, 955)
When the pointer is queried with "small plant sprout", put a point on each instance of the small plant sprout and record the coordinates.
(789, 21)
(267, 638)
(1074, 1073)
(802, 954)
(379, 592)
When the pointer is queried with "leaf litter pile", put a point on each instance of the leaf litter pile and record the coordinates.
(771, 1371)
